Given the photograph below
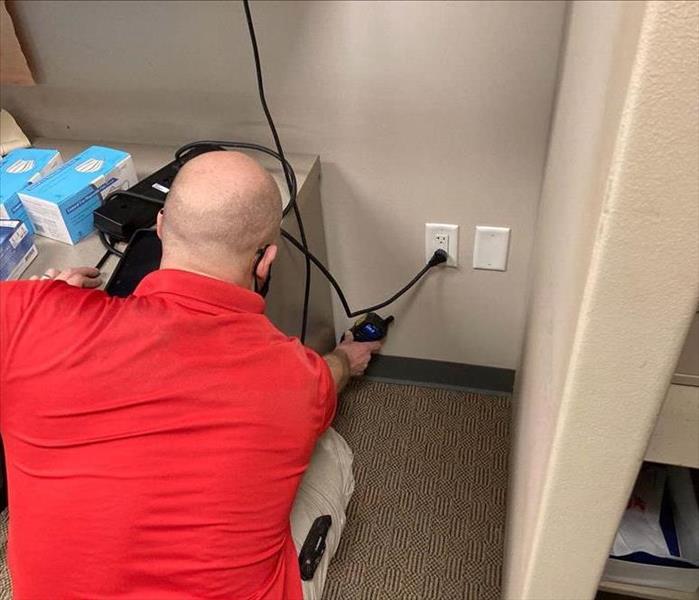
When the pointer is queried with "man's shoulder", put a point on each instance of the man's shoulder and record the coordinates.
(33, 290)
(18, 298)
(44, 313)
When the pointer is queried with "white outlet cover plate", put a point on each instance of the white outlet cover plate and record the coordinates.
(434, 229)
(491, 248)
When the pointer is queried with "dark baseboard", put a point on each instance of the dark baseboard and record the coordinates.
(439, 373)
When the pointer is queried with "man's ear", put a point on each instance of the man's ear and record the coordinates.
(159, 223)
(265, 264)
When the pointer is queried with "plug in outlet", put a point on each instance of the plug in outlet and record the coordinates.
(445, 237)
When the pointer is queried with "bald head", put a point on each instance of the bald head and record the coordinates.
(221, 208)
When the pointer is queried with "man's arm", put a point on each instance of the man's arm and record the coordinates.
(350, 359)
(339, 367)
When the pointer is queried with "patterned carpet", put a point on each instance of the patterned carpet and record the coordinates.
(427, 518)
(5, 591)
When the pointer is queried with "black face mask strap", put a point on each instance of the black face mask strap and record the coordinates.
(265, 286)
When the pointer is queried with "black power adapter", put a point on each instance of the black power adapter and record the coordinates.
(123, 212)
(137, 208)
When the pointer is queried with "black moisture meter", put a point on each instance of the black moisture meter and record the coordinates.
(371, 328)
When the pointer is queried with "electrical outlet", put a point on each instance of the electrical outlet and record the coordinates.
(445, 237)
(441, 240)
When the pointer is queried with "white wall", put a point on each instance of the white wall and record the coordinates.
(616, 280)
(420, 111)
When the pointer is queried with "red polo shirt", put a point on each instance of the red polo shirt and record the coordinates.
(154, 444)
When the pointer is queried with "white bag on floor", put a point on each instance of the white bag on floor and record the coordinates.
(654, 551)
(640, 529)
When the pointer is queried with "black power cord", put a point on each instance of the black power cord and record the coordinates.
(109, 245)
(440, 256)
(277, 143)
(101, 261)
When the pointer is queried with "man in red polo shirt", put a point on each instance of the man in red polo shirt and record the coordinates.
(154, 444)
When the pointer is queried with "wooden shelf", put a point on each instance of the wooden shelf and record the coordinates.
(642, 591)
(675, 440)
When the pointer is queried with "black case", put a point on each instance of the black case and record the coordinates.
(141, 256)
(314, 547)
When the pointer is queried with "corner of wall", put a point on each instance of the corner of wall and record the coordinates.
(587, 418)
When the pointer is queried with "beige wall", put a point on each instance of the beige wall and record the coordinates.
(420, 111)
(616, 279)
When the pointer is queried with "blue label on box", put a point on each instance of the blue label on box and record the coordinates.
(17, 248)
(79, 172)
(19, 170)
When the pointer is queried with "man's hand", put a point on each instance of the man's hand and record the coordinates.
(358, 353)
(350, 359)
(83, 277)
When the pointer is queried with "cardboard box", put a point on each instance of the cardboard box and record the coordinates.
(61, 204)
(17, 248)
(18, 170)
